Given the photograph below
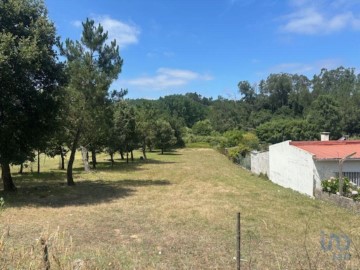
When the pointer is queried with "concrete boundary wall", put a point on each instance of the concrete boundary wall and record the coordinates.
(291, 167)
(260, 162)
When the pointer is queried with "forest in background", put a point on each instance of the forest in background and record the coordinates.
(56, 99)
(281, 107)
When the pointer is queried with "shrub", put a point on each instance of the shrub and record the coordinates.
(202, 128)
(350, 189)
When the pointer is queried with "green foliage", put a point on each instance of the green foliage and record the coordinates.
(164, 135)
(233, 138)
(202, 128)
(338, 83)
(247, 91)
(350, 189)
(278, 87)
(241, 149)
(92, 66)
(239, 143)
(324, 115)
(279, 130)
(30, 79)
(257, 118)
(178, 125)
(185, 107)
(250, 140)
(227, 115)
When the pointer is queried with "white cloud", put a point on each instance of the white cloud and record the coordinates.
(308, 69)
(77, 24)
(167, 77)
(124, 34)
(319, 17)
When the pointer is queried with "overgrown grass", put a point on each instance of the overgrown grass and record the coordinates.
(176, 211)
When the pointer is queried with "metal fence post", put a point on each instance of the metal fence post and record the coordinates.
(238, 242)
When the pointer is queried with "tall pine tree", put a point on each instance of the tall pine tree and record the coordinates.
(92, 65)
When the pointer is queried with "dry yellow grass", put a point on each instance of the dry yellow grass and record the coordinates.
(176, 211)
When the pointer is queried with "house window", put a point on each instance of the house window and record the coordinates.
(353, 177)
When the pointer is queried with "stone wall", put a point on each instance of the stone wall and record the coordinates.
(338, 200)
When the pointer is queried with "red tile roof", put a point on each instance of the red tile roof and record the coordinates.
(330, 149)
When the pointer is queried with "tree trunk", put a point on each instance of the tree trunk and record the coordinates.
(6, 177)
(38, 162)
(69, 174)
(112, 159)
(85, 155)
(122, 154)
(127, 157)
(132, 156)
(144, 150)
(62, 158)
(162, 151)
(21, 168)
(93, 158)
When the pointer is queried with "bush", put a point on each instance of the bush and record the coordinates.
(202, 128)
(350, 189)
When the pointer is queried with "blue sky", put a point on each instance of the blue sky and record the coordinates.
(208, 46)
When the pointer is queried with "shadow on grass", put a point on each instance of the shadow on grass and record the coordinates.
(136, 165)
(169, 153)
(55, 193)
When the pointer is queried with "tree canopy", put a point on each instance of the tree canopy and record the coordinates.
(31, 78)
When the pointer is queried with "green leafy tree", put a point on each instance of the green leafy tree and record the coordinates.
(339, 83)
(202, 128)
(300, 96)
(351, 116)
(92, 65)
(125, 127)
(164, 136)
(228, 114)
(279, 130)
(185, 107)
(325, 115)
(30, 82)
(247, 91)
(147, 111)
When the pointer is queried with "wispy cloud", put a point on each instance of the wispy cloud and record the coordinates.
(319, 17)
(76, 24)
(167, 77)
(308, 69)
(125, 34)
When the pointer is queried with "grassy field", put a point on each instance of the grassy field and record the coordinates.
(175, 211)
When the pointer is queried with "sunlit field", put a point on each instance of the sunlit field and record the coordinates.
(173, 211)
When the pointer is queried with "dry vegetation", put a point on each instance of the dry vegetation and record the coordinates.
(175, 211)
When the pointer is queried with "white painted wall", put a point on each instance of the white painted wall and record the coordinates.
(291, 167)
(260, 162)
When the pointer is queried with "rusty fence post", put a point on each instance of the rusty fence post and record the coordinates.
(238, 242)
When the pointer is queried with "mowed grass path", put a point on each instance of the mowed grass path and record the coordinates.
(175, 211)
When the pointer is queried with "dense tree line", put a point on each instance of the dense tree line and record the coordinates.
(59, 107)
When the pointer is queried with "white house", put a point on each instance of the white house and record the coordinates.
(302, 166)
